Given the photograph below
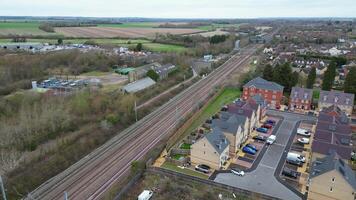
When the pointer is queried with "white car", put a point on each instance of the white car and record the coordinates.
(303, 140)
(238, 172)
(271, 139)
(303, 132)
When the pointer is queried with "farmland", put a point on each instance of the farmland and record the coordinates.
(21, 28)
(102, 32)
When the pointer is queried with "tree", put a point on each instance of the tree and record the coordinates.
(138, 47)
(329, 76)
(153, 75)
(283, 75)
(350, 81)
(311, 78)
(268, 72)
(60, 41)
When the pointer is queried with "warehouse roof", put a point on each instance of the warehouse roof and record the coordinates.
(138, 85)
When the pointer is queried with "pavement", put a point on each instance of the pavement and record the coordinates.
(263, 178)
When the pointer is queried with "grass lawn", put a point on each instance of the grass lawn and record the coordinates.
(164, 47)
(185, 146)
(95, 73)
(177, 156)
(131, 25)
(316, 93)
(189, 172)
(226, 96)
(22, 28)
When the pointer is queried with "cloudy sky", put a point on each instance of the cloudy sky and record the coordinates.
(180, 8)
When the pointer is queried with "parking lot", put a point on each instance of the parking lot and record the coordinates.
(263, 178)
(246, 161)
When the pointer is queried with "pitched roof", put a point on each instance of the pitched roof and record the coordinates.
(229, 123)
(301, 93)
(333, 162)
(139, 85)
(259, 100)
(337, 98)
(218, 140)
(264, 84)
(333, 114)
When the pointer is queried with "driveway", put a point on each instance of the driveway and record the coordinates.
(262, 179)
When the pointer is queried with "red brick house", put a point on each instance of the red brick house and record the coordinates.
(300, 98)
(270, 91)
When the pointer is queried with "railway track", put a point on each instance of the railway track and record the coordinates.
(90, 177)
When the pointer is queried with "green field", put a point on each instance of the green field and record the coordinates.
(189, 172)
(22, 28)
(225, 97)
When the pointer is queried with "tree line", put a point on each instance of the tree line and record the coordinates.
(281, 74)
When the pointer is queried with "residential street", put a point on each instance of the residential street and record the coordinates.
(262, 179)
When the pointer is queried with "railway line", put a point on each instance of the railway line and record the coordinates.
(90, 177)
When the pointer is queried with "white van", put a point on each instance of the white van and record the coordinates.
(145, 195)
(271, 139)
(295, 157)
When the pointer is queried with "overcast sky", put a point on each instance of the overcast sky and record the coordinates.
(180, 8)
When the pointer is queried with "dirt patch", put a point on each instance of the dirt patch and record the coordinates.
(102, 32)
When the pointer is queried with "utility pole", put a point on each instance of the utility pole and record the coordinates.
(2, 189)
(135, 111)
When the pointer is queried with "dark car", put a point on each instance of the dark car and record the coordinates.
(260, 138)
(252, 146)
(290, 173)
(269, 126)
(270, 121)
(262, 130)
(249, 150)
(202, 168)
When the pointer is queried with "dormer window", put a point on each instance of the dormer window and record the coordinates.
(305, 95)
(347, 101)
(325, 97)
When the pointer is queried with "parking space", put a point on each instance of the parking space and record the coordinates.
(294, 175)
(263, 178)
(244, 160)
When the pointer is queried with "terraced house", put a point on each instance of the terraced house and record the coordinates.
(235, 128)
(301, 98)
(211, 150)
(344, 101)
(331, 179)
(270, 91)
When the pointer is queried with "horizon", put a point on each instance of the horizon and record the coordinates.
(183, 9)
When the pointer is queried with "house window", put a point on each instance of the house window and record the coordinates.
(273, 96)
(274, 92)
(204, 144)
(331, 189)
(333, 179)
(204, 152)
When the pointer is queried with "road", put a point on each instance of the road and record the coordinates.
(93, 175)
(263, 179)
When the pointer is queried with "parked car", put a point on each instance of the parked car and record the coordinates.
(268, 126)
(303, 140)
(252, 146)
(145, 195)
(294, 162)
(278, 107)
(295, 156)
(248, 150)
(203, 168)
(260, 138)
(290, 173)
(238, 172)
(271, 139)
(303, 132)
(271, 121)
(224, 108)
(262, 130)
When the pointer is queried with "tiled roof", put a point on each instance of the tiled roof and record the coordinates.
(261, 83)
(229, 122)
(330, 163)
(301, 93)
(337, 98)
(217, 139)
